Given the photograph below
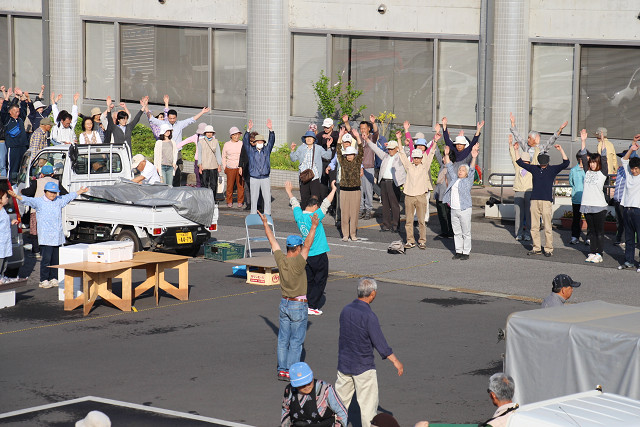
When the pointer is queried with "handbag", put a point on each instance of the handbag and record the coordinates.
(307, 174)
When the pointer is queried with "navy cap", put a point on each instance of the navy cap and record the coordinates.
(294, 240)
(561, 281)
(51, 187)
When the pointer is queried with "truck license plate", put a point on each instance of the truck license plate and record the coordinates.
(184, 238)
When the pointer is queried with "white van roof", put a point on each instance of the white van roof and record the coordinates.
(588, 409)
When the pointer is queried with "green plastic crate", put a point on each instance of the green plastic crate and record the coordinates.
(222, 251)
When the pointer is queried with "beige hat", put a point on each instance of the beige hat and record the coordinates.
(95, 111)
(327, 123)
(201, 127)
(137, 159)
(392, 144)
(420, 135)
(209, 128)
(416, 153)
(37, 105)
(461, 140)
(94, 419)
(260, 138)
(349, 150)
(347, 137)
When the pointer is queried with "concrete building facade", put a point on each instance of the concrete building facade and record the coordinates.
(468, 60)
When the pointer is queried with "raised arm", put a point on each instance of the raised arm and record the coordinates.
(474, 158)
(267, 230)
(324, 207)
(347, 125)
(634, 147)
(552, 139)
(516, 133)
(203, 111)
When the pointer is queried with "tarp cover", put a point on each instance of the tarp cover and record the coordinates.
(195, 204)
(557, 351)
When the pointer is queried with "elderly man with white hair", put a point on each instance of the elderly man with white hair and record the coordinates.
(501, 389)
(458, 197)
(360, 333)
(533, 146)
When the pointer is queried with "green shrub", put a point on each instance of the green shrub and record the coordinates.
(280, 159)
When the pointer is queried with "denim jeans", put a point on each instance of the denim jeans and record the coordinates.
(292, 332)
(167, 175)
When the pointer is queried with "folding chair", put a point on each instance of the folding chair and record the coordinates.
(254, 220)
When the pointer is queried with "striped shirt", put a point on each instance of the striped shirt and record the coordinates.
(621, 178)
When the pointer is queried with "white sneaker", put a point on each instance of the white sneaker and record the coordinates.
(597, 258)
(54, 283)
(314, 312)
(44, 284)
(590, 258)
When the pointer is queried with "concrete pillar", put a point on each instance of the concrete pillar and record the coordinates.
(268, 65)
(510, 67)
(65, 40)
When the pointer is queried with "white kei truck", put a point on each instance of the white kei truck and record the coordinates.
(155, 227)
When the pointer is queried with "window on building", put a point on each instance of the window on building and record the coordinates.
(229, 70)
(5, 73)
(610, 90)
(27, 39)
(458, 82)
(309, 59)
(159, 60)
(395, 75)
(551, 87)
(100, 60)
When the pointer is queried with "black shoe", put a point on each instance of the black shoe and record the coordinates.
(534, 253)
(394, 229)
(457, 256)
(367, 215)
(548, 254)
(384, 229)
(464, 257)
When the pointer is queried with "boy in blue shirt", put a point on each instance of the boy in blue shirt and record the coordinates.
(317, 262)
(50, 232)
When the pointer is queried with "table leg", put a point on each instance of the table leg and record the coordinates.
(156, 285)
(70, 302)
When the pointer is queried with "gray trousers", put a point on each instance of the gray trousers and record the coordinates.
(522, 206)
(461, 224)
(260, 185)
(366, 185)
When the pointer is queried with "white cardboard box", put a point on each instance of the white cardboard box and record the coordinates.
(7, 299)
(108, 252)
(68, 255)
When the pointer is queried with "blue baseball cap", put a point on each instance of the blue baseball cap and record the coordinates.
(294, 240)
(51, 187)
(421, 141)
(309, 133)
(46, 170)
(300, 374)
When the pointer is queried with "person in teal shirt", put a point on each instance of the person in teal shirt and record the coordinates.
(317, 262)
(576, 180)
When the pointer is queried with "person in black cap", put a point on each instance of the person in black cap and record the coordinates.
(542, 176)
(562, 288)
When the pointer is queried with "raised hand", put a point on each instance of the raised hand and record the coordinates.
(17, 91)
(82, 190)
(329, 142)
(513, 120)
(12, 194)
(406, 125)
(475, 150)
(437, 128)
(269, 125)
(444, 123)
(293, 147)
(564, 125)
(399, 137)
(510, 140)
(636, 138)
(166, 100)
(76, 96)
(109, 103)
(123, 105)
(557, 147)
(315, 220)
(635, 145)
(288, 188)
(583, 134)
(446, 150)
(372, 118)
(263, 218)
(59, 97)
(41, 91)
(205, 110)
(479, 126)
(250, 125)
(461, 133)
(53, 97)
(437, 136)
(342, 132)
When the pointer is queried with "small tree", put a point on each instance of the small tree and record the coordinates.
(335, 100)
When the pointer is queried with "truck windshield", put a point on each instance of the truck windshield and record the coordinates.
(99, 164)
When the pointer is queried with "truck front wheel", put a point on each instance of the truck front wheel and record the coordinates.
(130, 236)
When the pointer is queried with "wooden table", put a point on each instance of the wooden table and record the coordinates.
(155, 263)
(96, 282)
(97, 278)
(265, 269)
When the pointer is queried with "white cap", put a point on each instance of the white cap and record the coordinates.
(392, 144)
(94, 419)
(349, 150)
(209, 128)
(461, 140)
(327, 123)
(37, 105)
(164, 128)
(420, 135)
(137, 159)
(347, 137)
(416, 153)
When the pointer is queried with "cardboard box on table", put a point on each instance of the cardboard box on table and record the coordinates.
(110, 252)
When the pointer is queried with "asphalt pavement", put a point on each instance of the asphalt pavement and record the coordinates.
(214, 355)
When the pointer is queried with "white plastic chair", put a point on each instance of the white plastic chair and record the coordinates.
(253, 220)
